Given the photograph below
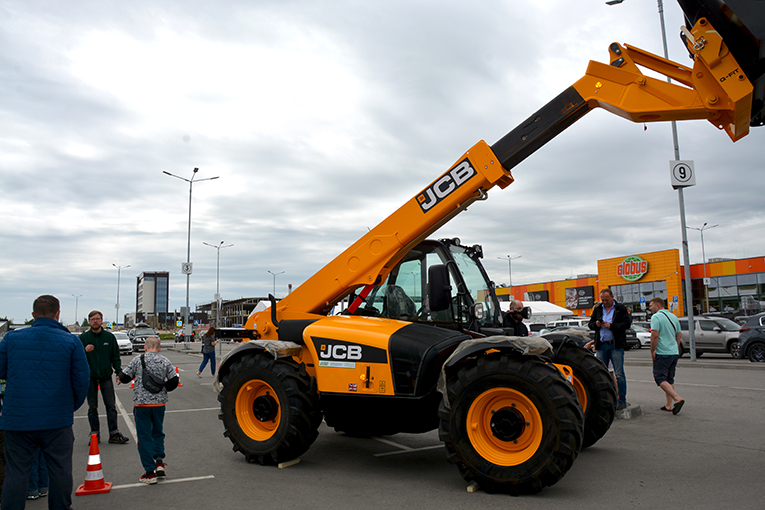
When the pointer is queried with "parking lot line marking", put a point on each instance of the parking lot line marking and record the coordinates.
(391, 443)
(409, 450)
(700, 385)
(192, 410)
(126, 417)
(139, 484)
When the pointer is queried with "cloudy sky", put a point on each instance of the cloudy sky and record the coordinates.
(320, 119)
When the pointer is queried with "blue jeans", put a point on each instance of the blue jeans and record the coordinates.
(208, 356)
(151, 438)
(606, 353)
(38, 478)
(20, 451)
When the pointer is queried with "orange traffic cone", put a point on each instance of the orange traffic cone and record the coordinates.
(179, 377)
(94, 478)
(132, 384)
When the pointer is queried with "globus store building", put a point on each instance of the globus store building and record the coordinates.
(734, 287)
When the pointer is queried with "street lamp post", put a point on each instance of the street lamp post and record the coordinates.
(510, 270)
(76, 302)
(704, 258)
(217, 280)
(281, 272)
(117, 306)
(187, 266)
(681, 200)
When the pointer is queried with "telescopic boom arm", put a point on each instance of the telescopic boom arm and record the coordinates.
(715, 89)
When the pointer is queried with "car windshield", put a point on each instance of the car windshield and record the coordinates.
(144, 332)
(727, 324)
(119, 335)
(639, 329)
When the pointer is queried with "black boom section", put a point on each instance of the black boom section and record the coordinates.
(417, 352)
(540, 128)
(292, 330)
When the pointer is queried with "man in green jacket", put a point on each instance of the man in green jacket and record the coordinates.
(104, 359)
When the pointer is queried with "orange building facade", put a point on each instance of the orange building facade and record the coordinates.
(735, 287)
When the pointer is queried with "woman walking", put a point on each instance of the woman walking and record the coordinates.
(208, 351)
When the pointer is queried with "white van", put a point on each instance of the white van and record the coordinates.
(583, 322)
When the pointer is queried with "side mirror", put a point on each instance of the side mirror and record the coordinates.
(439, 288)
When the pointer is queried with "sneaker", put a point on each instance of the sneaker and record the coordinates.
(148, 478)
(33, 496)
(160, 469)
(621, 405)
(117, 438)
(43, 492)
(199, 374)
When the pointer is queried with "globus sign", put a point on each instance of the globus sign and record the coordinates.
(632, 268)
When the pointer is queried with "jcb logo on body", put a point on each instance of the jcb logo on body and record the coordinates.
(445, 185)
(340, 352)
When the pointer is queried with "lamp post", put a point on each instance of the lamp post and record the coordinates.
(510, 270)
(281, 272)
(681, 200)
(76, 302)
(187, 266)
(117, 306)
(704, 258)
(217, 280)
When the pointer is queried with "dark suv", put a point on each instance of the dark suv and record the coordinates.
(751, 338)
(138, 335)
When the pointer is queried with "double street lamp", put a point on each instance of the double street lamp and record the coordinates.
(704, 258)
(117, 306)
(281, 272)
(217, 280)
(187, 267)
(76, 302)
(510, 271)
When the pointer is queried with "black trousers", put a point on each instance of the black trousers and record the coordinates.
(107, 392)
(20, 450)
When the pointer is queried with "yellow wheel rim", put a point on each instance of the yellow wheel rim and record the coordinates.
(504, 426)
(581, 394)
(257, 410)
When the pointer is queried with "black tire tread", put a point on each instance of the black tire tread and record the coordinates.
(599, 385)
(541, 383)
(301, 413)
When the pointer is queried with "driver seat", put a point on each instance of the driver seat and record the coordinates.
(398, 304)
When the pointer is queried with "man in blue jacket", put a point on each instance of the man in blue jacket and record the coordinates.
(47, 377)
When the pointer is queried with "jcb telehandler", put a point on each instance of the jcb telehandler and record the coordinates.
(509, 419)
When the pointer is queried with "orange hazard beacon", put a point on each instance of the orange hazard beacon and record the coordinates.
(507, 415)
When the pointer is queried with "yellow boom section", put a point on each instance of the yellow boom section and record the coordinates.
(715, 89)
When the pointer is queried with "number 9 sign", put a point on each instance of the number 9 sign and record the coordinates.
(682, 174)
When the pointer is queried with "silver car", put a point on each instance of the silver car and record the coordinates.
(123, 341)
(712, 335)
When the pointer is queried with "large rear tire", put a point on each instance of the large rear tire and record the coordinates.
(512, 426)
(270, 412)
(594, 388)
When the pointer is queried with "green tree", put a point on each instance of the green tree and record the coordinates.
(84, 322)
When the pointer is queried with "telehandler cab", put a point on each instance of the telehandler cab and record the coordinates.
(510, 420)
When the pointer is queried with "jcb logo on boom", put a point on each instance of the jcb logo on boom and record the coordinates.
(339, 351)
(446, 185)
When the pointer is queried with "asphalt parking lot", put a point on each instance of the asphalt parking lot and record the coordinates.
(711, 455)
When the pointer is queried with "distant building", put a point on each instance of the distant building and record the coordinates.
(233, 312)
(151, 292)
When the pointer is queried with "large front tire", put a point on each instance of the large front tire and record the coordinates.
(268, 408)
(594, 388)
(512, 426)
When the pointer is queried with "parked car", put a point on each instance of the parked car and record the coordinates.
(576, 322)
(712, 335)
(632, 341)
(751, 340)
(643, 335)
(123, 341)
(139, 334)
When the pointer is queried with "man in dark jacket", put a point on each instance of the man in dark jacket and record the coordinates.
(104, 359)
(513, 319)
(47, 380)
(610, 321)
